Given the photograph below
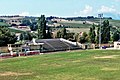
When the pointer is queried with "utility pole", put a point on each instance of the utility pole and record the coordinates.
(100, 16)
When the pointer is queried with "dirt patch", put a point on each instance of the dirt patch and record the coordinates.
(76, 61)
(90, 79)
(1, 60)
(109, 69)
(106, 57)
(14, 74)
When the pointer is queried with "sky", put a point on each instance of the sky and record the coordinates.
(61, 8)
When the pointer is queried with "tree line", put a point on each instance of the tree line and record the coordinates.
(105, 32)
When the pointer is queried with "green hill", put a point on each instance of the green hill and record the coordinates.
(75, 24)
(78, 26)
(89, 22)
(4, 24)
(16, 31)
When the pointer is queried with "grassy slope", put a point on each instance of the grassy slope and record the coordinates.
(112, 22)
(115, 23)
(16, 31)
(76, 25)
(79, 65)
(12, 30)
(3, 24)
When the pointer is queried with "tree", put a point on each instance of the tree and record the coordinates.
(92, 34)
(105, 32)
(58, 34)
(41, 27)
(97, 37)
(63, 33)
(26, 22)
(33, 26)
(6, 37)
(116, 36)
(21, 36)
(76, 37)
(26, 36)
(84, 38)
(49, 33)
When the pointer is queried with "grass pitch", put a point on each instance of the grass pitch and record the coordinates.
(75, 65)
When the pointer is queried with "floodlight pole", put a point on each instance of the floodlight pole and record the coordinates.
(100, 16)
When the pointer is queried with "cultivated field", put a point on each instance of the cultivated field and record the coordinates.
(75, 65)
(78, 26)
(78, 30)
(75, 24)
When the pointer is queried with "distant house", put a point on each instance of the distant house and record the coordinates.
(14, 21)
(117, 44)
(24, 28)
(18, 36)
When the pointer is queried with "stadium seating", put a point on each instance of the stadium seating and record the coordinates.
(56, 45)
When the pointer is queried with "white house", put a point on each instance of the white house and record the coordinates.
(117, 44)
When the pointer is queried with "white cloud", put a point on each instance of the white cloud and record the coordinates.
(105, 9)
(86, 11)
(117, 0)
(28, 14)
(24, 14)
(110, 11)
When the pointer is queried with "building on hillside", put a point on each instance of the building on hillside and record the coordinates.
(24, 28)
(14, 21)
(18, 36)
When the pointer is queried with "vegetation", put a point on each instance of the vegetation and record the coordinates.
(41, 27)
(75, 25)
(62, 33)
(116, 36)
(26, 22)
(4, 24)
(105, 32)
(27, 36)
(49, 35)
(76, 65)
(15, 30)
(92, 34)
(6, 37)
(84, 38)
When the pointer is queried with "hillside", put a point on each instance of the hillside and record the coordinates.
(16, 30)
(4, 24)
(84, 24)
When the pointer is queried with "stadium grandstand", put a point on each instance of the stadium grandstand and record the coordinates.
(51, 45)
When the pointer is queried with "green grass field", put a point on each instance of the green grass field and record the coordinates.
(75, 65)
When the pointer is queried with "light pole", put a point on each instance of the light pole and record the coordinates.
(100, 16)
